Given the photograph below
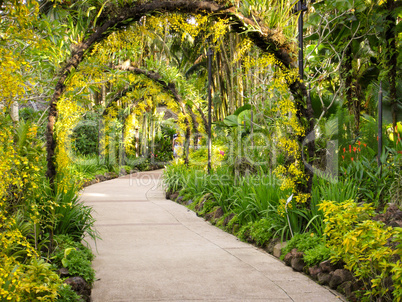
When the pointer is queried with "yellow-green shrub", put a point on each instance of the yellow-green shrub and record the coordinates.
(22, 276)
(362, 244)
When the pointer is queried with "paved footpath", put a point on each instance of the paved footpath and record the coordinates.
(153, 249)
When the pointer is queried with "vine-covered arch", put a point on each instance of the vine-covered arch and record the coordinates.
(113, 19)
(171, 88)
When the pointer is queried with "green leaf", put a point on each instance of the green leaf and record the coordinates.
(231, 121)
(242, 108)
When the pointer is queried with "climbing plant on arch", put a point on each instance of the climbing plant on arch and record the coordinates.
(143, 91)
(115, 17)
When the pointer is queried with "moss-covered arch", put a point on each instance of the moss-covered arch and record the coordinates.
(111, 20)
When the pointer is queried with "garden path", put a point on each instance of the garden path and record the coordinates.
(153, 249)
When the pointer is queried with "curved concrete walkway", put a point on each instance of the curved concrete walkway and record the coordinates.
(153, 249)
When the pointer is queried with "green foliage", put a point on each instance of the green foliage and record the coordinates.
(363, 245)
(233, 225)
(63, 242)
(336, 190)
(73, 217)
(174, 177)
(313, 247)
(302, 242)
(38, 282)
(316, 255)
(78, 265)
(258, 232)
(62, 212)
(67, 294)
(371, 180)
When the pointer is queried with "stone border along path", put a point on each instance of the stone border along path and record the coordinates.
(153, 249)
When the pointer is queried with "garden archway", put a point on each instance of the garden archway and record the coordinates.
(113, 20)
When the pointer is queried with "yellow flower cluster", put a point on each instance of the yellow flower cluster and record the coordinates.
(69, 115)
(191, 26)
(106, 51)
(241, 50)
(19, 167)
(11, 240)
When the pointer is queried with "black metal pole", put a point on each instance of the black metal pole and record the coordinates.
(301, 68)
(210, 54)
(379, 125)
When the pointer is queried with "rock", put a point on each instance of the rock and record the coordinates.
(122, 172)
(392, 212)
(395, 224)
(63, 272)
(297, 264)
(81, 287)
(174, 196)
(296, 253)
(218, 213)
(179, 199)
(228, 218)
(288, 259)
(100, 177)
(278, 249)
(314, 271)
(346, 288)
(392, 217)
(335, 281)
(344, 274)
(271, 245)
(189, 202)
(327, 267)
(323, 278)
(111, 175)
(208, 216)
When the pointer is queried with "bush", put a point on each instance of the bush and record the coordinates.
(316, 255)
(78, 265)
(308, 244)
(63, 242)
(363, 245)
(260, 232)
(85, 136)
(67, 294)
(35, 281)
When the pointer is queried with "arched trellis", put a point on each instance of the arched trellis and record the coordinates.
(264, 38)
(172, 89)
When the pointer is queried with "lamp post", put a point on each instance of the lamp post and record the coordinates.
(210, 55)
(300, 7)
(380, 127)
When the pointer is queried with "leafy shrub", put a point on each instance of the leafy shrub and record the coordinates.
(61, 211)
(78, 265)
(233, 224)
(39, 282)
(260, 232)
(67, 294)
(85, 136)
(316, 255)
(339, 191)
(63, 242)
(372, 181)
(35, 281)
(174, 177)
(302, 242)
(363, 245)
(74, 218)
